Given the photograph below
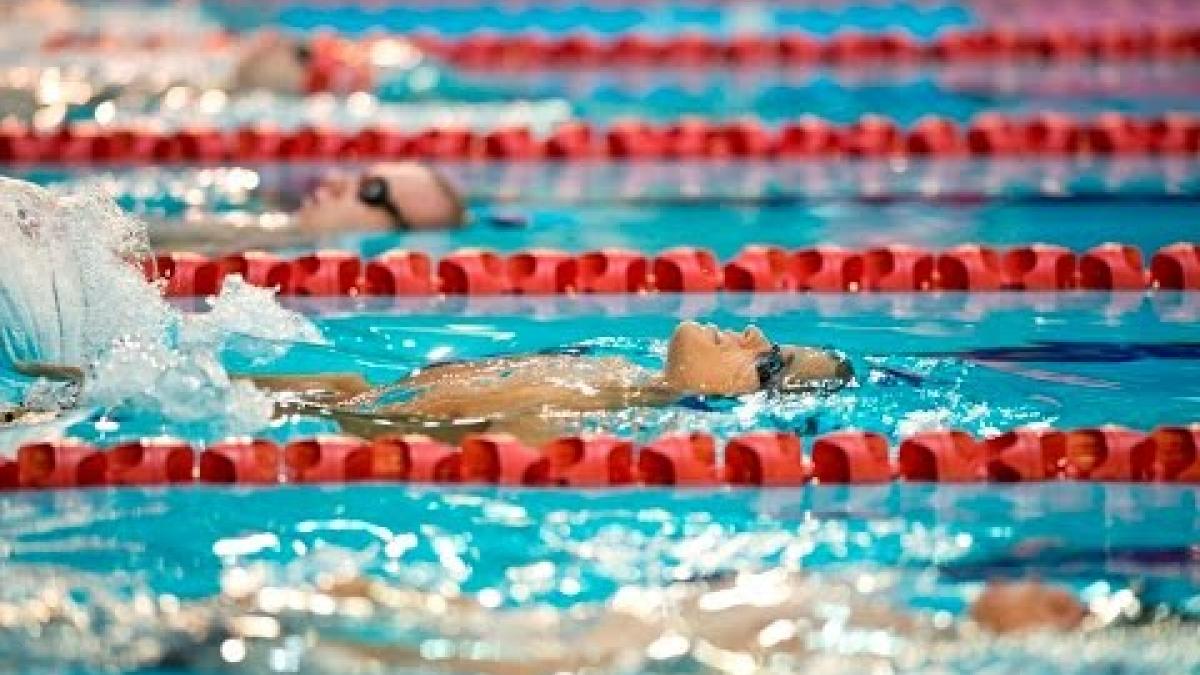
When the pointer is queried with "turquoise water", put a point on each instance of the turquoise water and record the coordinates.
(844, 97)
(653, 17)
(654, 206)
(985, 362)
(922, 548)
(942, 539)
(981, 362)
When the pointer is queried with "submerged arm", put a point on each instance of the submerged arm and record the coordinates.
(331, 387)
(50, 371)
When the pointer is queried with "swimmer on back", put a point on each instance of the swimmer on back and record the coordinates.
(538, 397)
(387, 197)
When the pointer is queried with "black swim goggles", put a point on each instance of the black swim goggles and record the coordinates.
(303, 52)
(373, 191)
(771, 367)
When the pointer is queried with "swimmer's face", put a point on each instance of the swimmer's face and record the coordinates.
(703, 359)
(273, 62)
(398, 196)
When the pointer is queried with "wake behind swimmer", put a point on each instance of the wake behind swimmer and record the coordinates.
(72, 294)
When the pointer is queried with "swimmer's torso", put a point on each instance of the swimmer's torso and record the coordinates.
(540, 383)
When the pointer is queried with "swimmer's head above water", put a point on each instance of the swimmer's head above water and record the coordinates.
(704, 359)
(394, 196)
(271, 61)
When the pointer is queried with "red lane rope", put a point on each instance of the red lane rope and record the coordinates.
(490, 51)
(1167, 454)
(988, 135)
(757, 268)
(493, 50)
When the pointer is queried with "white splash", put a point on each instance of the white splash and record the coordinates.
(72, 293)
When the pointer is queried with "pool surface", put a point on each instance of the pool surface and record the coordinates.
(161, 579)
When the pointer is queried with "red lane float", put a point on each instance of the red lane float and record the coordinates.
(502, 459)
(612, 270)
(1039, 267)
(988, 135)
(1112, 267)
(541, 271)
(241, 460)
(941, 456)
(511, 144)
(1022, 456)
(571, 141)
(1102, 454)
(968, 268)
(56, 464)
(1171, 454)
(994, 134)
(1176, 267)
(1053, 134)
(756, 268)
(326, 273)
(473, 272)
(767, 459)
(327, 459)
(935, 136)
(897, 269)
(399, 272)
(589, 461)
(809, 137)
(415, 458)
(184, 273)
(760, 269)
(851, 457)
(150, 461)
(828, 269)
(872, 136)
(684, 460)
(1167, 454)
(686, 269)
(258, 268)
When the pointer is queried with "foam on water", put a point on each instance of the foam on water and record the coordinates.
(72, 293)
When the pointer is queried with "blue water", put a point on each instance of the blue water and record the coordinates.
(652, 17)
(981, 362)
(651, 207)
(898, 92)
(1074, 534)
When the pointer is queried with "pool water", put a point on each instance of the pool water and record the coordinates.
(982, 362)
(925, 547)
(723, 206)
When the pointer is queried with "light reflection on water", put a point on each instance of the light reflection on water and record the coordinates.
(926, 548)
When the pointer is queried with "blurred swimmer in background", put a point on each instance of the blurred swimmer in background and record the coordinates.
(386, 197)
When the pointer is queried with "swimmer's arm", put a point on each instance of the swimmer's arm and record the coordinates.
(217, 236)
(50, 371)
(318, 386)
(532, 429)
(437, 374)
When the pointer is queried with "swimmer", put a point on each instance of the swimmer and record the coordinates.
(387, 197)
(537, 397)
(284, 67)
(776, 620)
